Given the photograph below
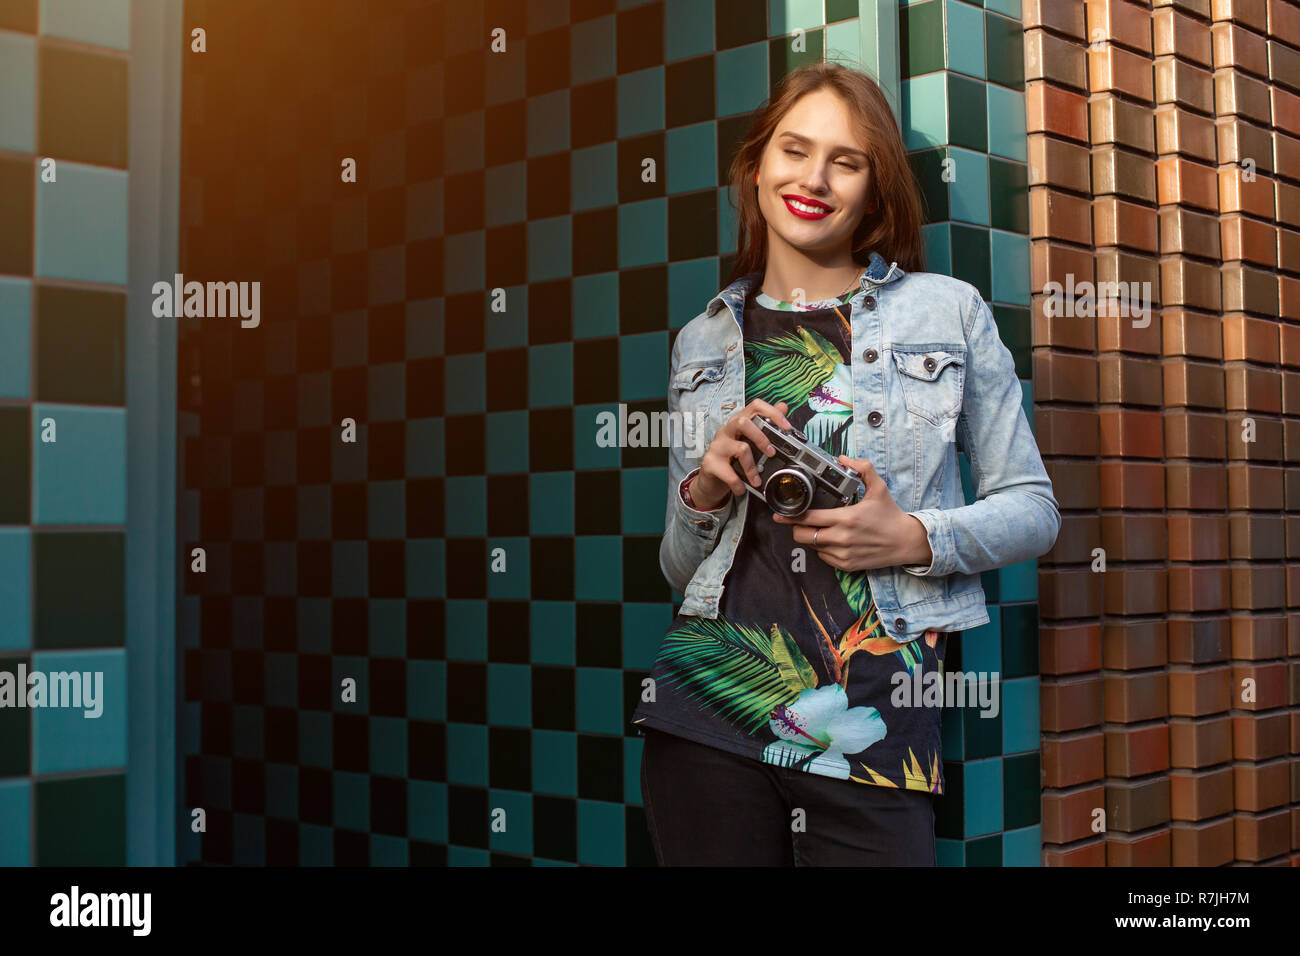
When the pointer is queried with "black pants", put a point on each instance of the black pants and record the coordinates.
(708, 807)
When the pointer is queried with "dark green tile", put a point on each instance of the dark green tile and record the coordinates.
(81, 106)
(920, 38)
(927, 165)
(17, 191)
(782, 59)
(738, 22)
(1008, 195)
(15, 465)
(80, 346)
(80, 589)
(692, 228)
(981, 736)
(19, 15)
(15, 728)
(1019, 640)
(986, 851)
(837, 10)
(1022, 787)
(949, 816)
(970, 262)
(1015, 331)
(967, 113)
(1004, 51)
(81, 822)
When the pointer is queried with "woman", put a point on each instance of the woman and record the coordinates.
(781, 722)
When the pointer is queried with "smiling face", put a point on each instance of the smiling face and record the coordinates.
(814, 182)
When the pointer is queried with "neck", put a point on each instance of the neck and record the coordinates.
(792, 275)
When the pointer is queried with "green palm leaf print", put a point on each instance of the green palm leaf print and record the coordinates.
(737, 671)
(786, 367)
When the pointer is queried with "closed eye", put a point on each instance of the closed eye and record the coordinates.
(845, 163)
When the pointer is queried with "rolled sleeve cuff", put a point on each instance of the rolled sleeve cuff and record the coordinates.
(938, 532)
(706, 524)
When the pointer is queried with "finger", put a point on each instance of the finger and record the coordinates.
(744, 454)
(750, 430)
(775, 412)
(814, 517)
(726, 475)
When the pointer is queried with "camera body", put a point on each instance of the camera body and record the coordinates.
(799, 475)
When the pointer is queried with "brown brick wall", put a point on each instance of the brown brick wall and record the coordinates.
(1164, 148)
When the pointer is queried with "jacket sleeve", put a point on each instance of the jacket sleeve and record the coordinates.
(689, 535)
(1016, 517)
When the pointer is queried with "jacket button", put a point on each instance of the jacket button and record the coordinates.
(900, 624)
(874, 419)
(871, 355)
(869, 303)
(929, 364)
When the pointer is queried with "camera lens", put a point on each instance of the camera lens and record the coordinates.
(788, 492)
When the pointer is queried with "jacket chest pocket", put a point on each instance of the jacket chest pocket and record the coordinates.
(932, 380)
(690, 377)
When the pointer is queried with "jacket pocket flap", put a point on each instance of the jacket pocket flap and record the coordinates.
(928, 365)
(691, 376)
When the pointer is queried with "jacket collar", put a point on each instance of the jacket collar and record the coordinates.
(877, 273)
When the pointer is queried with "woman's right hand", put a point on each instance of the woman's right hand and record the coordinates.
(717, 476)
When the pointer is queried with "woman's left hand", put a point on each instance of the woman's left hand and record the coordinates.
(872, 533)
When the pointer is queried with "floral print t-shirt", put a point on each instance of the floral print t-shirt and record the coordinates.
(797, 668)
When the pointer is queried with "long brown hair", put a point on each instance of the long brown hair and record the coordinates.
(894, 229)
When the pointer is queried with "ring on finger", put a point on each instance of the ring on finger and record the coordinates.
(815, 533)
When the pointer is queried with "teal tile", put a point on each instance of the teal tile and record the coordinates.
(938, 248)
(548, 123)
(550, 248)
(1008, 196)
(593, 50)
(389, 851)
(15, 589)
(510, 695)
(587, 420)
(1011, 277)
(387, 393)
(593, 174)
(644, 627)
(632, 750)
(466, 630)
(513, 582)
(553, 626)
(598, 562)
(462, 856)
(280, 679)
(642, 366)
(1004, 51)
(688, 29)
(467, 754)
(386, 509)
(350, 569)
(507, 444)
(970, 257)
(351, 792)
(17, 92)
(742, 79)
(357, 670)
(691, 285)
(1019, 582)
(247, 732)
(426, 690)
(925, 111)
(101, 22)
(81, 821)
(555, 763)
(281, 791)
(388, 748)
(981, 647)
(597, 316)
(425, 325)
(511, 816)
(640, 102)
(426, 562)
(599, 701)
(81, 224)
(692, 157)
(315, 845)
(643, 511)
(465, 384)
(726, 223)
(426, 811)
(983, 796)
(1023, 847)
(969, 189)
(81, 477)
(920, 38)
(464, 257)
(15, 329)
(550, 502)
(786, 16)
(550, 375)
(509, 329)
(965, 38)
(602, 837)
(642, 233)
(1006, 111)
(1020, 702)
(844, 40)
(505, 194)
(967, 112)
(1009, 7)
(15, 821)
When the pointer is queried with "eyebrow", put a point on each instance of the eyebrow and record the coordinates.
(839, 149)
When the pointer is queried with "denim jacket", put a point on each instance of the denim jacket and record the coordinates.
(930, 374)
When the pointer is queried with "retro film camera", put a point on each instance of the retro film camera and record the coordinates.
(799, 476)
